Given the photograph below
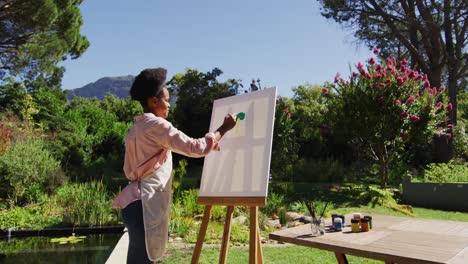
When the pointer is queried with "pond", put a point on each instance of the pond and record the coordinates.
(95, 249)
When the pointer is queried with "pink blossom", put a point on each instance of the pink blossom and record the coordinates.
(337, 77)
(389, 61)
(416, 96)
(403, 68)
(325, 90)
(449, 107)
(378, 67)
(388, 81)
(425, 78)
(450, 126)
(375, 86)
(411, 74)
(448, 135)
(400, 81)
(368, 76)
(439, 105)
(371, 61)
(441, 89)
(414, 118)
(382, 85)
(404, 114)
(326, 94)
(434, 90)
(397, 102)
(380, 100)
(377, 75)
(427, 84)
(404, 62)
(360, 66)
(375, 51)
(410, 100)
(289, 115)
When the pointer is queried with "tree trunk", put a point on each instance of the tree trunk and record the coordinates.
(383, 172)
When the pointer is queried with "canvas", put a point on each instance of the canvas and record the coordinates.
(241, 168)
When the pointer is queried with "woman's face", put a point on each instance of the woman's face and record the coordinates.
(162, 105)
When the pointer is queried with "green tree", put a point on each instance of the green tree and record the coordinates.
(307, 107)
(124, 109)
(36, 35)
(195, 93)
(285, 147)
(433, 34)
(385, 107)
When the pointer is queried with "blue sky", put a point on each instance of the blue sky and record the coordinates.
(283, 43)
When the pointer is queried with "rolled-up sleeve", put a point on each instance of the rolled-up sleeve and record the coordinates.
(177, 141)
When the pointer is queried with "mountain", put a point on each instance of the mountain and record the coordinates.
(118, 86)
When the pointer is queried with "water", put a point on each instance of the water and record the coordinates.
(94, 249)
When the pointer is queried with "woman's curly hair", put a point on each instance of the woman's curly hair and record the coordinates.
(149, 83)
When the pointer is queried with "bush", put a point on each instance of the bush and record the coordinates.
(274, 202)
(188, 201)
(460, 140)
(319, 171)
(85, 204)
(27, 218)
(446, 172)
(26, 166)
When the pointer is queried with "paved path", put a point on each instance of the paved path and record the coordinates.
(119, 254)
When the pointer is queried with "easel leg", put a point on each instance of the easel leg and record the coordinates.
(259, 246)
(253, 250)
(201, 234)
(226, 234)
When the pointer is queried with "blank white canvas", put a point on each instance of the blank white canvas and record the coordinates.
(241, 168)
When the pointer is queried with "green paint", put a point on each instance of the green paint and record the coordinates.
(241, 116)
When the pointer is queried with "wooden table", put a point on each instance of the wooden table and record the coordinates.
(392, 240)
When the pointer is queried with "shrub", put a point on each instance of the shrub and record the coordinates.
(188, 201)
(26, 166)
(274, 202)
(374, 196)
(85, 204)
(27, 218)
(446, 172)
(319, 171)
(383, 107)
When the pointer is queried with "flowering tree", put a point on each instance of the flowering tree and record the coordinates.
(285, 148)
(385, 106)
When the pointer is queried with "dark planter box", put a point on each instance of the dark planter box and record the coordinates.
(444, 196)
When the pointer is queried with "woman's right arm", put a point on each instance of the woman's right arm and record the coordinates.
(173, 139)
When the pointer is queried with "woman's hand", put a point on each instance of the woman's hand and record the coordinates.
(229, 122)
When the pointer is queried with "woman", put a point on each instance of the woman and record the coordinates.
(145, 202)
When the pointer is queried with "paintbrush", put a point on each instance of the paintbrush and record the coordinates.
(323, 211)
(311, 210)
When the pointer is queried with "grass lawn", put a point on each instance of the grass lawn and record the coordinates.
(344, 202)
(289, 254)
(271, 254)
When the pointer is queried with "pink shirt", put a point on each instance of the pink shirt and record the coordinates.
(147, 147)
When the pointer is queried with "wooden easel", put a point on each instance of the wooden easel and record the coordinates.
(255, 249)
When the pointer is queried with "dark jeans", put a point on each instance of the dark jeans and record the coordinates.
(132, 216)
